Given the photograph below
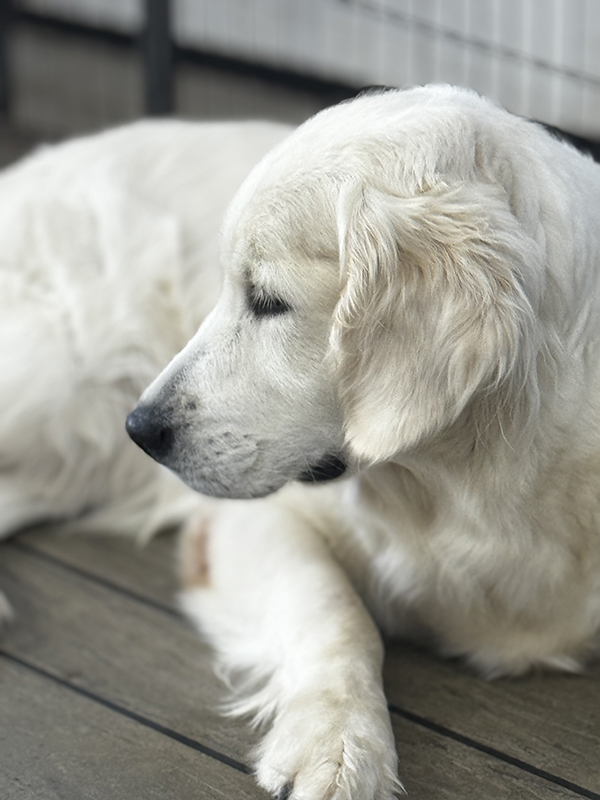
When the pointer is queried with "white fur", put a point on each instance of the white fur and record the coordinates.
(440, 259)
(108, 264)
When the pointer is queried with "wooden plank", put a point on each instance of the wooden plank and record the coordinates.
(434, 767)
(58, 745)
(121, 649)
(550, 721)
(146, 568)
(151, 664)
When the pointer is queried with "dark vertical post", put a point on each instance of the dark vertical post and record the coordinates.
(4, 75)
(158, 58)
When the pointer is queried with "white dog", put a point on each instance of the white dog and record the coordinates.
(411, 297)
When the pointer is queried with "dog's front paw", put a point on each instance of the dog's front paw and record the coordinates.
(330, 748)
(6, 612)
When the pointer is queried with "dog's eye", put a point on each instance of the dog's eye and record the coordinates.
(266, 305)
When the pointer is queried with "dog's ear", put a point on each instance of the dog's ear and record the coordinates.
(433, 310)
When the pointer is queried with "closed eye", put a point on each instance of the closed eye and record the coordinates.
(266, 305)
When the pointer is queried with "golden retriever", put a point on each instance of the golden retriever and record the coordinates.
(411, 301)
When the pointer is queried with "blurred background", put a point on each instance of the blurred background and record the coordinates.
(70, 66)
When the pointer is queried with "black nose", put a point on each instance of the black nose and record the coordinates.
(150, 431)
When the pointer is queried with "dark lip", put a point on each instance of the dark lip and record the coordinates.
(328, 468)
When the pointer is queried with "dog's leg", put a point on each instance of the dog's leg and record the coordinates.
(299, 648)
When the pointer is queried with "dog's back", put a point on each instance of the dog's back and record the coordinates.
(108, 263)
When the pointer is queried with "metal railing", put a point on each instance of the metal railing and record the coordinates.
(160, 57)
(155, 44)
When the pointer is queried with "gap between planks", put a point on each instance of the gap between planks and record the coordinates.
(139, 718)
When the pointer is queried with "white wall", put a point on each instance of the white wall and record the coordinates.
(539, 58)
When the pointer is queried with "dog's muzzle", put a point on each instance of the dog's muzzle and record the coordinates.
(151, 432)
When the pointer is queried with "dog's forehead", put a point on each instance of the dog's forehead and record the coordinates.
(289, 198)
(288, 206)
(288, 218)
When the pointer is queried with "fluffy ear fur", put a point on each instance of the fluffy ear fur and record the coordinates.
(434, 310)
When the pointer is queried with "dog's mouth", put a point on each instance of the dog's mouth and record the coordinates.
(155, 436)
(328, 468)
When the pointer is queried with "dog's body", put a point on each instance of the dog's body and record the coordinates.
(412, 292)
(411, 295)
(109, 262)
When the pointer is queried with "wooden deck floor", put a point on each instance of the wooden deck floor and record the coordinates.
(107, 693)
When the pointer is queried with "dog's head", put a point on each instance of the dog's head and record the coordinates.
(377, 282)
